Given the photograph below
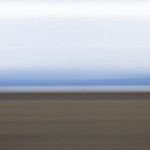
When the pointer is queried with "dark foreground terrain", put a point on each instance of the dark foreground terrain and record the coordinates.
(75, 121)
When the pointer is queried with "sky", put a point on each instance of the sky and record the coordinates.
(83, 35)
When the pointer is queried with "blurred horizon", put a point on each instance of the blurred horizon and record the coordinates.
(71, 78)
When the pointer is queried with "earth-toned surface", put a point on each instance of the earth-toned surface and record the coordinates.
(47, 124)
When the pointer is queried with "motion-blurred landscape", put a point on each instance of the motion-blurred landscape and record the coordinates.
(74, 75)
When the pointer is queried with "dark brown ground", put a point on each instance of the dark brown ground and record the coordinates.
(88, 121)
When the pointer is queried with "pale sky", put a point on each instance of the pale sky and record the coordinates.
(75, 35)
